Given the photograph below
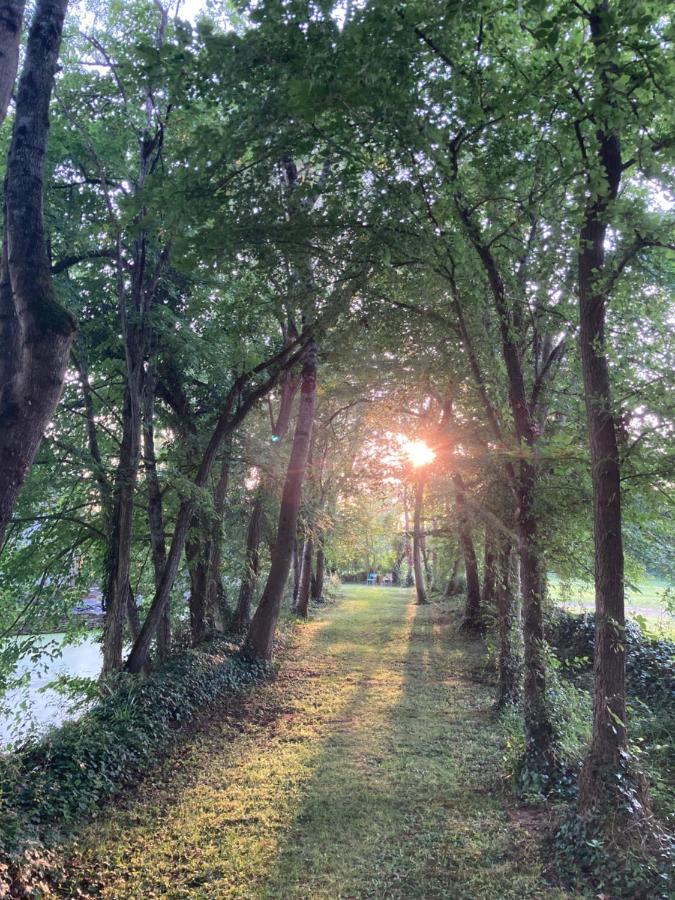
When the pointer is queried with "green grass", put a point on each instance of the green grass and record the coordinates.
(646, 601)
(369, 768)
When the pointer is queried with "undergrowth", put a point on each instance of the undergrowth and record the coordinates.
(49, 785)
(615, 858)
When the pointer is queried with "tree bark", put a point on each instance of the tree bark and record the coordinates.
(118, 561)
(453, 587)
(249, 579)
(472, 611)
(11, 17)
(261, 633)
(540, 737)
(600, 783)
(304, 590)
(36, 331)
(489, 569)
(539, 732)
(408, 549)
(196, 554)
(202, 551)
(297, 564)
(242, 614)
(217, 612)
(155, 512)
(420, 589)
(509, 667)
(317, 588)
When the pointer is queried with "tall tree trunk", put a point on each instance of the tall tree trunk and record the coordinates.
(317, 588)
(242, 613)
(417, 540)
(136, 291)
(217, 612)
(472, 611)
(540, 736)
(11, 17)
(428, 569)
(36, 331)
(249, 579)
(104, 487)
(196, 554)
(304, 590)
(508, 686)
(453, 588)
(408, 549)
(133, 615)
(297, 565)
(600, 782)
(202, 551)
(118, 561)
(489, 568)
(155, 512)
(261, 633)
(539, 731)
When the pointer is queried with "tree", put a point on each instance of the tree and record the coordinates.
(420, 589)
(36, 331)
(260, 639)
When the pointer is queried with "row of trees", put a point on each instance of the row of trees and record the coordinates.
(267, 250)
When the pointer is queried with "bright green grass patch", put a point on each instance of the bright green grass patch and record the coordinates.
(369, 768)
(649, 602)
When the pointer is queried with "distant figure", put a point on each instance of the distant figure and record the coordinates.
(388, 578)
(372, 578)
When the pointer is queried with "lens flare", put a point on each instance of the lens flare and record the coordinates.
(419, 453)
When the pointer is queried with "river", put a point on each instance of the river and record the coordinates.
(33, 707)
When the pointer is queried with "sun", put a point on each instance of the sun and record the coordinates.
(419, 453)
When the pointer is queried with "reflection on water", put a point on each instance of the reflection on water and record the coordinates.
(47, 707)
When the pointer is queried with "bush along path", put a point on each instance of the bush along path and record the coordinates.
(369, 768)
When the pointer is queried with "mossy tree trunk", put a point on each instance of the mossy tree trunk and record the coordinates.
(509, 664)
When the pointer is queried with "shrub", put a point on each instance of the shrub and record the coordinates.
(649, 662)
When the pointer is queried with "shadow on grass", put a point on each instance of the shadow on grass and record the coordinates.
(404, 800)
(369, 768)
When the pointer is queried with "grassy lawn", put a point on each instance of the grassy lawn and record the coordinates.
(368, 768)
(645, 601)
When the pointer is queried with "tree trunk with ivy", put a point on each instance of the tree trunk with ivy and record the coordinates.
(155, 511)
(509, 665)
(603, 780)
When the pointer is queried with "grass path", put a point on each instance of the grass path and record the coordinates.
(368, 768)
